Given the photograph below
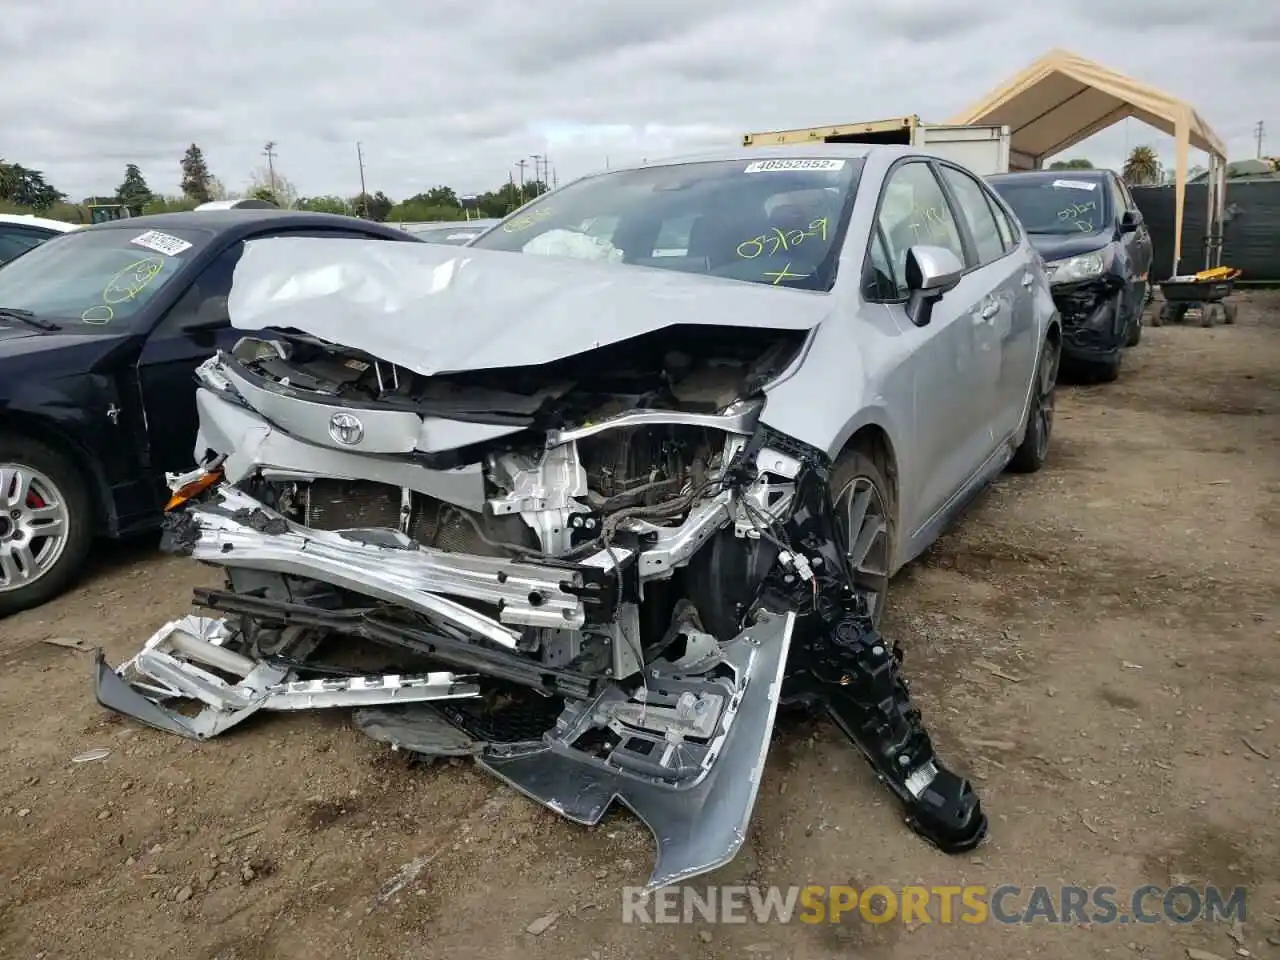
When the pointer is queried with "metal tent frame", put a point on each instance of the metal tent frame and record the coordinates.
(1063, 98)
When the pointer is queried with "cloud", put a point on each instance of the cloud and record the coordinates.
(457, 93)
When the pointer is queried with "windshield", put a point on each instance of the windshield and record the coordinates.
(1064, 205)
(777, 222)
(456, 235)
(97, 278)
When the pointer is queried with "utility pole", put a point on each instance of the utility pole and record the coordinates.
(521, 163)
(1258, 132)
(269, 151)
(539, 166)
(364, 194)
(555, 179)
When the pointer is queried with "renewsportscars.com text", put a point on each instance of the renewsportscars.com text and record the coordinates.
(1007, 903)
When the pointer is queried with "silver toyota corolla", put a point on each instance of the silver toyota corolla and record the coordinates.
(612, 483)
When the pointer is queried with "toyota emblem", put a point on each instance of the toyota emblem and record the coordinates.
(346, 429)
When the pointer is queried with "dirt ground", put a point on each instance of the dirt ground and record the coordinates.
(1098, 646)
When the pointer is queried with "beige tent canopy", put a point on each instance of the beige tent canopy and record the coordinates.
(1062, 99)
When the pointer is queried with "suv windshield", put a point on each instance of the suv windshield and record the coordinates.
(777, 221)
(97, 277)
(1063, 205)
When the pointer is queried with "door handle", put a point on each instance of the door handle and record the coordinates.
(990, 310)
(1027, 279)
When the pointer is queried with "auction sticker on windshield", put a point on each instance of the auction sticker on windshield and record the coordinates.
(773, 166)
(164, 243)
(1075, 184)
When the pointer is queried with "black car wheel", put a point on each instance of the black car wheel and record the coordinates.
(45, 523)
(1034, 449)
(1135, 326)
(864, 505)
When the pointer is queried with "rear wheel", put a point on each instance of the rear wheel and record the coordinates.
(45, 523)
(1228, 311)
(865, 509)
(1034, 449)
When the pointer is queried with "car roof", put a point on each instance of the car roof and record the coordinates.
(241, 219)
(1090, 175)
(31, 220)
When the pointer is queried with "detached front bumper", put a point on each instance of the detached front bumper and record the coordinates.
(686, 743)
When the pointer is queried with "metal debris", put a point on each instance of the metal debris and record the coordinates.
(89, 756)
(71, 643)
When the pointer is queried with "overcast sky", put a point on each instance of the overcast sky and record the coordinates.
(452, 92)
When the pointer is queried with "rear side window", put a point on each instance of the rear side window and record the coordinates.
(975, 209)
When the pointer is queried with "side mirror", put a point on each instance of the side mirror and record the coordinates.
(931, 272)
(1130, 220)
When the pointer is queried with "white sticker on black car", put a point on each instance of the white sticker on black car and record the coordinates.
(164, 243)
(1074, 184)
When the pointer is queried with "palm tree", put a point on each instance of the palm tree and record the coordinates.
(1142, 167)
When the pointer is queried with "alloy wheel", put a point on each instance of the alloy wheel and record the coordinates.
(1046, 398)
(34, 525)
(866, 530)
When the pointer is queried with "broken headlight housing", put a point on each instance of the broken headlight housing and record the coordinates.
(1074, 269)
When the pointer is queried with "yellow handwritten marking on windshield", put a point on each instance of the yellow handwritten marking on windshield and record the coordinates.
(99, 314)
(1074, 214)
(781, 240)
(784, 274)
(132, 280)
(526, 221)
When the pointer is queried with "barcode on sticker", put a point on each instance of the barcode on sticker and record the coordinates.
(772, 166)
(164, 243)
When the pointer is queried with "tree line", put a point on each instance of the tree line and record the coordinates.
(24, 190)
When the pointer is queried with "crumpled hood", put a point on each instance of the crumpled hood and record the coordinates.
(437, 309)
(1060, 246)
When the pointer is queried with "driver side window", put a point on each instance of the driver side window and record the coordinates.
(205, 301)
(914, 211)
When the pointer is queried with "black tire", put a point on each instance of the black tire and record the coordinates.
(1034, 449)
(1139, 298)
(868, 462)
(1209, 314)
(69, 484)
(1228, 311)
(1135, 331)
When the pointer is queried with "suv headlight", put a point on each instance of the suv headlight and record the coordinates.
(1084, 267)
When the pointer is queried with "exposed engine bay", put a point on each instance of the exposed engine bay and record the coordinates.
(600, 577)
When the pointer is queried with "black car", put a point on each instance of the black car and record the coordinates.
(1097, 250)
(101, 330)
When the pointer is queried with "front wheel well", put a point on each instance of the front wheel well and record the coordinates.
(873, 441)
(47, 432)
